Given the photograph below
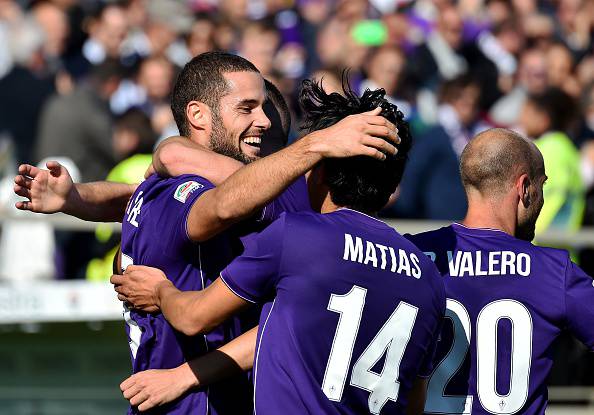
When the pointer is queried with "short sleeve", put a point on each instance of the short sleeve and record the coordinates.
(294, 199)
(173, 206)
(254, 275)
(579, 304)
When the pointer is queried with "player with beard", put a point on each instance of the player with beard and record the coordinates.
(172, 222)
(507, 300)
(357, 308)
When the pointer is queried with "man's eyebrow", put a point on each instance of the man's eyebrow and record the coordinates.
(248, 102)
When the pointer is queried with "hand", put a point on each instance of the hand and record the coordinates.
(150, 171)
(366, 134)
(47, 191)
(139, 287)
(152, 388)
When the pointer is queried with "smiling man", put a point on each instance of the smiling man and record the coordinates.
(172, 223)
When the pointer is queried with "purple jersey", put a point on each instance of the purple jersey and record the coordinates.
(355, 315)
(154, 233)
(507, 302)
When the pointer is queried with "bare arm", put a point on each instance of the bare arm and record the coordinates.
(191, 312)
(152, 388)
(417, 396)
(252, 187)
(52, 190)
(178, 155)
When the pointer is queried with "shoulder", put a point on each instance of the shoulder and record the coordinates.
(430, 239)
(178, 188)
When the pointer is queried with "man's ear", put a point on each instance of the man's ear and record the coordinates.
(523, 188)
(198, 115)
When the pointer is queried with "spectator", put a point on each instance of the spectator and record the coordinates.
(548, 118)
(431, 187)
(25, 88)
(78, 125)
(384, 70)
(532, 79)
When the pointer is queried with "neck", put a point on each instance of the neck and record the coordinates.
(492, 214)
(200, 137)
(328, 205)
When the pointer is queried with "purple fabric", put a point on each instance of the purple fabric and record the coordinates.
(510, 290)
(300, 262)
(159, 239)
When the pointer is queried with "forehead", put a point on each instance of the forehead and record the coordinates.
(243, 86)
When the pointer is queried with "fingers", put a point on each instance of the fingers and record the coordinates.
(132, 389)
(127, 383)
(384, 123)
(23, 206)
(383, 132)
(146, 405)
(28, 170)
(375, 111)
(379, 144)
(22, 191)
(23, 181)
(116, 279)
(53, 165)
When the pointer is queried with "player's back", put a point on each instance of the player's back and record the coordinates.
(507, 302)
(356, 312)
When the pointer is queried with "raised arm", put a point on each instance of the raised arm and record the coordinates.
(252, 187)
(157, 387)
(190, 312)
(52, 190)
(178, 155)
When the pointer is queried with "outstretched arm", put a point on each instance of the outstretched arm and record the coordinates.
(157, 387)
(52, 190)
(178, 155)
(191, 312)
(252, 187)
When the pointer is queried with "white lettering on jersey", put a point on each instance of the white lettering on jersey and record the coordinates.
(401, 261)
(479, 264)
(134, 210)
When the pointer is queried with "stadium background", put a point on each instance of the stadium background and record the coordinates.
(88, 82)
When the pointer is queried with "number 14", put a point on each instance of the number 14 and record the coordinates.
(392, 339)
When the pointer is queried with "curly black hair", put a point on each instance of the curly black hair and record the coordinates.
(361, 183)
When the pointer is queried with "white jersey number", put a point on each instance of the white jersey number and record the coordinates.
(135, 332)
(391, 341)
(486, 354)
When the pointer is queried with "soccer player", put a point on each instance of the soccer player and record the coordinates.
(217, 102)
(356, 307)
(507, 300)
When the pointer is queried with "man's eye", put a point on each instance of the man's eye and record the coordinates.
(245, 110)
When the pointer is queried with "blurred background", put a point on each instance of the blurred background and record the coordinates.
(87, 82)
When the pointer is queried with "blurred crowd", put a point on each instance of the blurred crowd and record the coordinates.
(88, 82)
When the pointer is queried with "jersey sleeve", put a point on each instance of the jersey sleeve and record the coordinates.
(579, 304)
(294, 199)
(254, 275)
(174, 207)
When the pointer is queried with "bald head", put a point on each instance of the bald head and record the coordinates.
(494, 159)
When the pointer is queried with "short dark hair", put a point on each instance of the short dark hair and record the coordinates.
(277, 111)
(361, 183)
(560, 107)
(276, 98)
(202, 80)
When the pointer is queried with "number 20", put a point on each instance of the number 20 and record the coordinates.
(486, 344)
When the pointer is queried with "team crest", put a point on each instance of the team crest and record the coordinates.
(185, 189)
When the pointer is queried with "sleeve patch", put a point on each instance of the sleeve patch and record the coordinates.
(185, 189)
